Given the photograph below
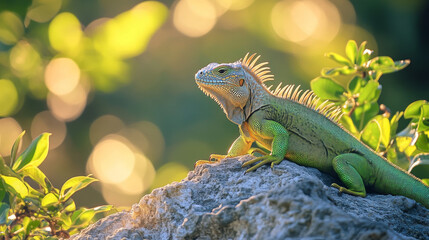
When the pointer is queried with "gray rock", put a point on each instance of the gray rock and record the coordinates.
(218, 201)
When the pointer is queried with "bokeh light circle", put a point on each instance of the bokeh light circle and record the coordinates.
(194, 18)
(112, 160)
(306, 21)
(8, 97)
(62, 75)
(9, 131)
(70, 106)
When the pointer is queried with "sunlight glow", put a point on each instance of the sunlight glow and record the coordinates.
(194, 18)
(140, 179)
(8, 97)
(9, 131)
(307, 21)
(235, 4)
(112, 160)
(70, 106)
(62, 75)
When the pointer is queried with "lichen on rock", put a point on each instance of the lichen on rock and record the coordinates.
(219, 201)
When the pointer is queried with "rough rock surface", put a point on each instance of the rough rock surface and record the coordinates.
(218, 201)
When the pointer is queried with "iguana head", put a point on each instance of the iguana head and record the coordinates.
(231, 84)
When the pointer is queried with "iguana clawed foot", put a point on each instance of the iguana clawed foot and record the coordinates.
(262, 161)
(214, 158)
(346, 190)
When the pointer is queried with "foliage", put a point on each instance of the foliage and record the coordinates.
(355, 86)
(45, 211)
(96, 54)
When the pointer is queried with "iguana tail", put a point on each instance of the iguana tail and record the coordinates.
(391, 179)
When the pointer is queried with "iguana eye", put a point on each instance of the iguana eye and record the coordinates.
(222, 70)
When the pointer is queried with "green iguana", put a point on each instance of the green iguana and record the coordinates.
(295, 126)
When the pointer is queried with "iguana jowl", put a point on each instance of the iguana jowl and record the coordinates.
(294, 126)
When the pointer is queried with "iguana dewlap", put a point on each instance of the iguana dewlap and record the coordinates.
(292, 125)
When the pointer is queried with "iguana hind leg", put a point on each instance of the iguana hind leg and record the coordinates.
(353, 170)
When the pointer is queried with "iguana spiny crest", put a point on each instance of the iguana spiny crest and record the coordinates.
(235, 86)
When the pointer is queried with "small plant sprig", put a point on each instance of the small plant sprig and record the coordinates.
(44, 212)
(354, 86)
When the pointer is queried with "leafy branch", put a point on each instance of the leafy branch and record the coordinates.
(45, 212)
(355, 86)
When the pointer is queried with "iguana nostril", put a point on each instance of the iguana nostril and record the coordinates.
(201, 73)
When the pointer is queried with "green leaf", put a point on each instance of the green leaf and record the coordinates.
(403, 142)
(364, 113)
(423, 124)
(69, 205)
(405, 145)
(369, 92)
(413, 110)
(387, 65)
(399, 65)
(38, 176)
(398, 158)
(29, 225)
(35, 154)
(422, 142)
(326, 88)
(49, 200)
(338, 58)
(15, 148)
(355, 85)
(103, 208)
(74, 184)
(16, 186)
(348, 124)
(82, 217)
(381, 62)
(2, 192)
(5, 170)
(351, 51)
(394, 123)
(360, 56)
(332, 72)
(420, 166)
(4, 212)
(371, 135)
(385, 129)
(66, 220)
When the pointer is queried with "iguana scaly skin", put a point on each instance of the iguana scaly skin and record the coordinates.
(295, 126)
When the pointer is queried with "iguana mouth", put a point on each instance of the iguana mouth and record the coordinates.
(209, 82)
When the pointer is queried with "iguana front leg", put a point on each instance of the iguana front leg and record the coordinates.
(269, 130)
(240, 146)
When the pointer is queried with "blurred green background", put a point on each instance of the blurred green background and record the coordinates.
(113, 81)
